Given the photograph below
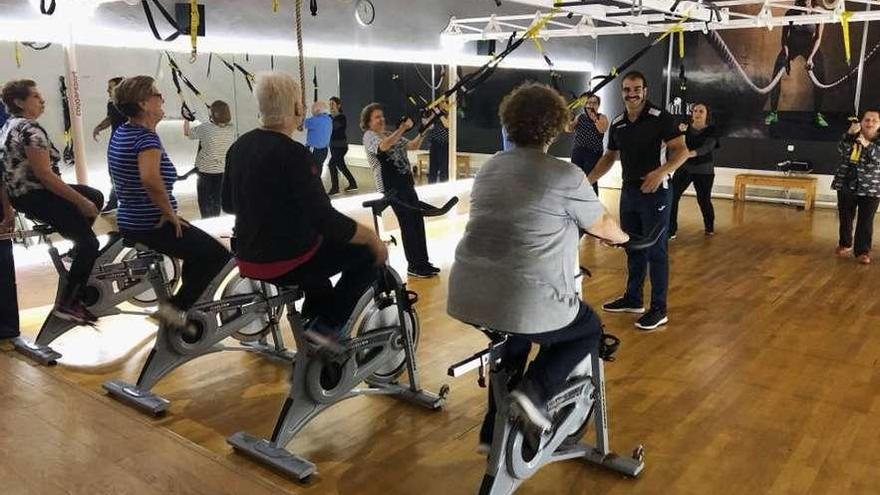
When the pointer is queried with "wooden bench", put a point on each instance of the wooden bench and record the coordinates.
(808, 184)
(463, 161)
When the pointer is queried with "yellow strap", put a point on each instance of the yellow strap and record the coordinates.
(856, 153)
(17, 55)
(194, 21)
(275, 5)
(681, 44)
(844, 24)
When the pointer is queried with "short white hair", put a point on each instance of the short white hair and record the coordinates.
(279, 98)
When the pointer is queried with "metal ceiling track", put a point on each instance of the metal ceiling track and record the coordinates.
(593, 18)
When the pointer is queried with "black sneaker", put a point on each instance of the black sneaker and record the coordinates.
(108, 210)
(351, 188)
(652, 320)
(433, 268)
(672, 236)
(332, 192)
(421, 272)
(623, 305)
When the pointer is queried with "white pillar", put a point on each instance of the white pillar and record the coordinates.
(76, 114)
(451, 79)
(862, 55)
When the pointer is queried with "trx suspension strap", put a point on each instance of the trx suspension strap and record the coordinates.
(248, 75)
(275, 5)
(152, 22)
(177, 75)
(615, 71)
(194, 21)
(315, 81)
(313, 7)
(67, 154)
(17, 49)
(47, 10)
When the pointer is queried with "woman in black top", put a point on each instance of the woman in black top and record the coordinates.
(287, 232)
(701, 139)
(338, 149)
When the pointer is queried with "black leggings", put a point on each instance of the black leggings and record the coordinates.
(703, 186)
(333, 304)
(209, 187)
(438, 158)
(336, 165)
(412, 228)
(8, 292)
(203, 257)
(861, 209)
(63, 216)
(561, 352)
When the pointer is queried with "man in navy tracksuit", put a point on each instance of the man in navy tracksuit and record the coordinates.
(637, 137)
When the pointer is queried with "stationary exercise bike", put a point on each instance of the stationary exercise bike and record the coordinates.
(121, 274)
(246, 310)
(381, 338)
(511, 461)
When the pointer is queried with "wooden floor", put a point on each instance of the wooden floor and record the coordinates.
(765, 382)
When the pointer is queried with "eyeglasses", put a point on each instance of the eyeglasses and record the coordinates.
(159, 95)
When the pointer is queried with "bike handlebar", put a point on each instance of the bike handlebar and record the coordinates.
(380, 204)
(638, 242)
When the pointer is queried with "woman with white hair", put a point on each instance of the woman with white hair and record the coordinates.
(287, 232)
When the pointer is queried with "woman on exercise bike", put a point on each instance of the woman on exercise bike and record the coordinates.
(33, 181)
(287, 232)
(143, 178)
(516, 266)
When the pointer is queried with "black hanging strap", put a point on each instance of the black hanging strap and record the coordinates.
(152, 22)
(47, 10)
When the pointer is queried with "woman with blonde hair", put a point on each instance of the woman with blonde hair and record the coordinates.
(215, 137)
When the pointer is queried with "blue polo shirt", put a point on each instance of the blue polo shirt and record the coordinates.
(319, 128)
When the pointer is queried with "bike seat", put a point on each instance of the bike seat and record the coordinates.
(135, 245)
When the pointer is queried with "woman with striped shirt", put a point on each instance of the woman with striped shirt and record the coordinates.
(215, 137)
(143, 178)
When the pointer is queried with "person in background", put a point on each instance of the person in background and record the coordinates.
(215, 137)
(387, 155)
(113, 120)
(287, 231)
(9, 324)
(319, 128)
(589, 130)
(3, 115)
(636, 137)
(438, 149)
(701, 139)
(338, 149)
(144, 178)
(33, 182)
(857, 183)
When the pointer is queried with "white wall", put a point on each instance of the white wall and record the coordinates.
(98, 64)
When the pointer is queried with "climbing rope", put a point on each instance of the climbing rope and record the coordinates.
(299, 46)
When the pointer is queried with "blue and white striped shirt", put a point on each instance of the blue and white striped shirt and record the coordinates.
(137, 212)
